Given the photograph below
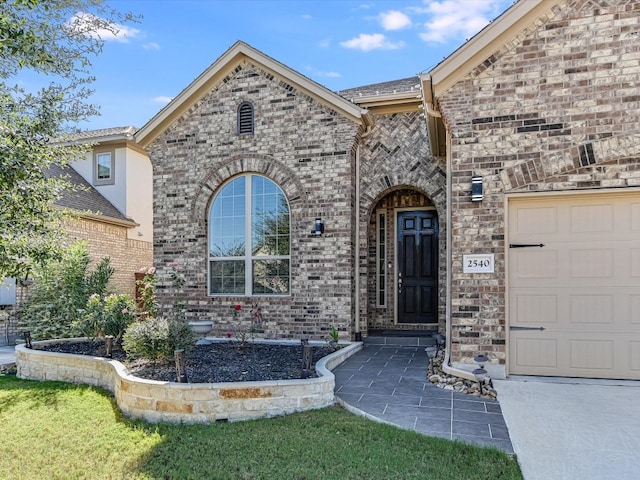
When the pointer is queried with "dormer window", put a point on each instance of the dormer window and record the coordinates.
(104, 168)
(245, 119)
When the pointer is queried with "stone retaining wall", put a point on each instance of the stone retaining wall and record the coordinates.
(173, 402)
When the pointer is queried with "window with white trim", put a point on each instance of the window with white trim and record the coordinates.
(103, 168)
(381, 260)
(249, 239)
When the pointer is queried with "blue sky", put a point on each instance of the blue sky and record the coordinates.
(338, 43)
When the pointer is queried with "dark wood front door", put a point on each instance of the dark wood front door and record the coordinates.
(417, 281)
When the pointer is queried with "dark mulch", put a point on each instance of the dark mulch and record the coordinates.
(217, 362)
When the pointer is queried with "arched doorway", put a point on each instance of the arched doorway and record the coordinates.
(404, 263)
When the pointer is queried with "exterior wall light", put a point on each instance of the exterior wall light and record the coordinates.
(476, 188)
(318, 228)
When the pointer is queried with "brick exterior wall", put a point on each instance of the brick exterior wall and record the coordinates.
(303, 146)
(106, 240)
(557, 108)
(397, 171)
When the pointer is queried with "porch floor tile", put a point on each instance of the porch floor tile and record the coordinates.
(388, 382)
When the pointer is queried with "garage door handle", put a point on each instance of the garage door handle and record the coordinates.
(527, 328)
(525, 245)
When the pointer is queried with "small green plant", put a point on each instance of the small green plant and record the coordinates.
(247, 333)
(109, 315)
(147, 292)
(334, 333)
(59, 295)
(157, 338)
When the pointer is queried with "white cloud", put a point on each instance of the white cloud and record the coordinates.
(151, 46)
(457, 18)
(96, 27)
(306, 16)
(313, 72)
(324, 43)
(162, 99)
(375, 41)
(394, 20)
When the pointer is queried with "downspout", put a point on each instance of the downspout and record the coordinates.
(358, 333)
(446, 364)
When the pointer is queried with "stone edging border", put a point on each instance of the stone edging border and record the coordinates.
(173, 402)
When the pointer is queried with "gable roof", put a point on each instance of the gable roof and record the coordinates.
(238, 53)
(86, 199)
(473, 53)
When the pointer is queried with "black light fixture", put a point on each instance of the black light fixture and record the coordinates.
(318, 228)
(476, 188)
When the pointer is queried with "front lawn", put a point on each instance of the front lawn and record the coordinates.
(53, 430)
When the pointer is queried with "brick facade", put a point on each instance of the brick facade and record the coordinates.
(303, 146)
(555, 109)
(107, 240)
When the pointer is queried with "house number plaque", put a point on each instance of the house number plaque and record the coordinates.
(482, 263)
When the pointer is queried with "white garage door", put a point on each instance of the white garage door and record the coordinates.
(574, 303)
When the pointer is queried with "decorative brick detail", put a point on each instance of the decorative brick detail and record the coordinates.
(556, 108)
(308, 150)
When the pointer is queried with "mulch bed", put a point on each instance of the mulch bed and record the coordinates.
(216, 362)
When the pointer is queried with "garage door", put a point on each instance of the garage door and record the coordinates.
(574, 303)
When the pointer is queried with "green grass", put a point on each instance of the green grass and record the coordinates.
(53, 430)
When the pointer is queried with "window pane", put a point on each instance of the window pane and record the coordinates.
(103, 161)
(269, 219)
(227, 276)
(271, 277)
(227, 221)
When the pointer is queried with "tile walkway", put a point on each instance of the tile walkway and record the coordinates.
(388, 383)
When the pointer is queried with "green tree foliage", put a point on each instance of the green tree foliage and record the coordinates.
(59, 296)
(56, 39)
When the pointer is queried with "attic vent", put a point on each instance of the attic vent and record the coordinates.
(245, 118)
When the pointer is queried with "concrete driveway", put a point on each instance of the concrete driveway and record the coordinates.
(568, 429)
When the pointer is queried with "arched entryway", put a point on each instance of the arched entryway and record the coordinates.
(405, 274)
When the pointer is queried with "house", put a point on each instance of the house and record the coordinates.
(495, 198)
(113, 200)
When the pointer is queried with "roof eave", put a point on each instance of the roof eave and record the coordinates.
(448, 72)
(220, 68)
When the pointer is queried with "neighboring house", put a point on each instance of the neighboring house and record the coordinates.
(115, 201)
(114, 206)
(493, 196)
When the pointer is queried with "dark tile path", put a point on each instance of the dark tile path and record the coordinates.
(389, 382)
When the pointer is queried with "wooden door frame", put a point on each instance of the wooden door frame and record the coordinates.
(394, 284)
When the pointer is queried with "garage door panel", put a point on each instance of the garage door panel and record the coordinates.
(634, 356)
(537, 264)
(634, 309)
(582, 287)
(537, 352)
(591, 355)
(591, 219)
(592, 263)
(591, 309)
(535, 309)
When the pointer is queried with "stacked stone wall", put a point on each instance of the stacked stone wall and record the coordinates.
(556, 109)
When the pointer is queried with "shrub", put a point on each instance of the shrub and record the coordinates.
(60, 293)
(157, 338)
(109, 315)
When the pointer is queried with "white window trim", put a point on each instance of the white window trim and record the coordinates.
(112, 178)
(248, 256)
(379, 273)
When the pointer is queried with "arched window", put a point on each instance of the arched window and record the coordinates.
(245, 118)
(249, 238)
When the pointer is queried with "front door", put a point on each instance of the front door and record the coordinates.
(417, 281)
